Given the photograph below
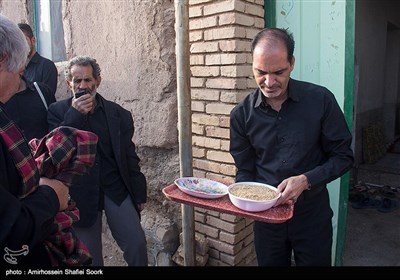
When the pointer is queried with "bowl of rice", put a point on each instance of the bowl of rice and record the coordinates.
(253, 196)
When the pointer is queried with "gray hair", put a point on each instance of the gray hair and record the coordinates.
(82, 61)
(13, 45)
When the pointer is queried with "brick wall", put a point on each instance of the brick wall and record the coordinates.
(220, 59)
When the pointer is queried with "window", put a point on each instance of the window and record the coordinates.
(49, 30)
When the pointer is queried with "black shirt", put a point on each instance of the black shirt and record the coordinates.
(41, 69)
(110, 178)
(309, 136)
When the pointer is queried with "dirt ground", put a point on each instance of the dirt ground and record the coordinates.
(111, 253)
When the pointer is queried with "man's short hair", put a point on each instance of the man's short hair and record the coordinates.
(26, 29)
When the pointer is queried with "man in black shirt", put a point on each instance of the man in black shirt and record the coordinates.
(292, 135)
(39, 68)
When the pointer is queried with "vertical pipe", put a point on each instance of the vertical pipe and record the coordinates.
(184, 121)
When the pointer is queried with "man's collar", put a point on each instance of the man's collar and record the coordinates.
(35, 58)
(292, 94)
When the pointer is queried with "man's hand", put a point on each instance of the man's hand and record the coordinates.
(83, 104)
(292, 188)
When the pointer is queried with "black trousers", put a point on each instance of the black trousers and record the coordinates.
(308, 234)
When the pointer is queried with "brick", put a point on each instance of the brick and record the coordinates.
(205, 71)
(205, 94)
(199, 173)
(224, 33)
(204, 47)
(213, 143)
(237, 71)
(224, 121)
(219, 108)
(224, 247)
(197, 106)
(199, 217)
(255, 10)
(235, 45)
(227, 83)
(212, 131)
(233, 96)
(225, 59)
(225, 145)
(196, 11)
(249, 239)
(259, 22)
(213, 253)
(236, 18)
(197, 59)
(230, 218)
(208, 211)
(206, 165)
(245, 253)
(206, 142)
(207, 230)
(223, 6)
(229, 259)
(250, 32)
(224, 225)
(196, 36)
(233, 260)
(249, 221)
(228, 169)
(198, 153)
(205, 119)
(231, 238)
(249, 58)
(198, 129)
(202, 23)
(197, 82)
(219, 156)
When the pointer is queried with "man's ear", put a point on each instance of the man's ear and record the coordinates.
(68, 84)
(98, 81)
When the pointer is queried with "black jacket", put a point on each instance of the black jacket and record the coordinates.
(86, 189)
(27, 110)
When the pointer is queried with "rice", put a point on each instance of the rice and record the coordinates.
(253, 192)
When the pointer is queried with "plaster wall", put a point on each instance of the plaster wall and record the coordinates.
(133, 42)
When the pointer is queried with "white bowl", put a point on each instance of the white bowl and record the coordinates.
(251, 205)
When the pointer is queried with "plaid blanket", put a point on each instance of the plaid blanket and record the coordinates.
(62, 154)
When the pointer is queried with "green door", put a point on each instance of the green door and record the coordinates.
(324, 52)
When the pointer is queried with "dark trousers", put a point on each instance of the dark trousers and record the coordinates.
(308, 234)
(124, 223)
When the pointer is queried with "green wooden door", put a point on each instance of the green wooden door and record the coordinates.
(324, 50)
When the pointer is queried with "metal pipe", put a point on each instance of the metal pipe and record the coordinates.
(184, 121)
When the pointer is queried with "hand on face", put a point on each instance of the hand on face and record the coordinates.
(84, 104)
(82, 79)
